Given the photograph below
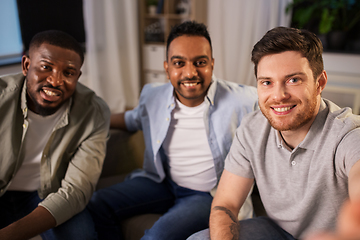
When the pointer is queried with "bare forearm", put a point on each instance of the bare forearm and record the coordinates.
(223, 224)
(29, 226)
(118, 121)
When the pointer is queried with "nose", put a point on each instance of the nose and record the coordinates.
(280, 93)
(55, 79)
(189, 71)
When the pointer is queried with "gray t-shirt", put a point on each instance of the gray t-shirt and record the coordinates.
(303, 189)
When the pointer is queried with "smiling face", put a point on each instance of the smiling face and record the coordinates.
(189, 67)
(52, 73)
(289, 97)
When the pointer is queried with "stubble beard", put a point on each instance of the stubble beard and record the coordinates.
(296, 122)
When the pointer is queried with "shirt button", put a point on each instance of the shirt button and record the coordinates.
(293, 163)
(158, 141)
(24, 125)
(172, 105)
(167, 119)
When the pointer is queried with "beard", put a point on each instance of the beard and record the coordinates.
(36, 106)
(285, 123)
(45, 111)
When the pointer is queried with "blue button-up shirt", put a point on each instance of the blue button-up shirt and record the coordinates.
(226, 104)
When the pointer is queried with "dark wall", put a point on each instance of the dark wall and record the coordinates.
(40, 15)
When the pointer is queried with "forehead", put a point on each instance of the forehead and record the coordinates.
(55, 54)
(283, 63)
(189, 46)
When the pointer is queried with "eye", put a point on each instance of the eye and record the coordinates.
(178, 63)
(294, 80)
(45, 67)
(265, 83)
(69, 73)
(200, 63)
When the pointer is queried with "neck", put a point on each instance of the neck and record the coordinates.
(294, 137)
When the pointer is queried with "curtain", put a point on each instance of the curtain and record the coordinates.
(112, 63)
(235, 26)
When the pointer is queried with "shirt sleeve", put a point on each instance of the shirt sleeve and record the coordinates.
(133, 117)
(236, 161)
(348, 152)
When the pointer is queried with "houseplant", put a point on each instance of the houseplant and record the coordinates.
(328, 18)
(152, 6)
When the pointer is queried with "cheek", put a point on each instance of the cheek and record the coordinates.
(70, 88)
(174, 75)
(262, 95)
(205, 72)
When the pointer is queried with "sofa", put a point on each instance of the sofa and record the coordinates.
(125, 154)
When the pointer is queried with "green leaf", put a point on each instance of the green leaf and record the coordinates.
(326, 22)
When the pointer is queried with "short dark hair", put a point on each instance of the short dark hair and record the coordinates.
(281, 39)
(57, 38)
(189, 28)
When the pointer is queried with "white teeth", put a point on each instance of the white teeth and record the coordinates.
(189, 84)
(50, 93)
(284, 109)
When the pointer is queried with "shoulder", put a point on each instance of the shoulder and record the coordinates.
(342, 118)
(233, 95)
(254, 120)
(254, 129)
(151, 88)
(13, 82)
(156, 92)
(236, 90)
(86, 99)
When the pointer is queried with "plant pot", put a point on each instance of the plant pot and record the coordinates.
(323, 39)
(152, 9)
(336, 40)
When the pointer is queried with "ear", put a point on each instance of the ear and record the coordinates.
(321, 82)
(166, 67)
(25, 64)
(212, 63)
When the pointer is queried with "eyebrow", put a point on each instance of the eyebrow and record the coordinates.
(181, 57)
(294, 74)
(46, 61)
(52, 64)
(286, 76)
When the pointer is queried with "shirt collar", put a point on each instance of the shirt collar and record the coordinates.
(23, 100)
(210, 95)
(313, 134)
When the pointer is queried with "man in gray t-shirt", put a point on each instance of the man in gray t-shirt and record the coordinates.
(302, 151)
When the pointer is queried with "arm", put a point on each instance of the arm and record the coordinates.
(117, 120)
(29, 226)
(230, 196)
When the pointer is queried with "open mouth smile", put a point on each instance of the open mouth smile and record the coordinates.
(50, 93)
(190, 84)
(282, 109)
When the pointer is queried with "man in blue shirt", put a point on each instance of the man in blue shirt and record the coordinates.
(188, 126)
